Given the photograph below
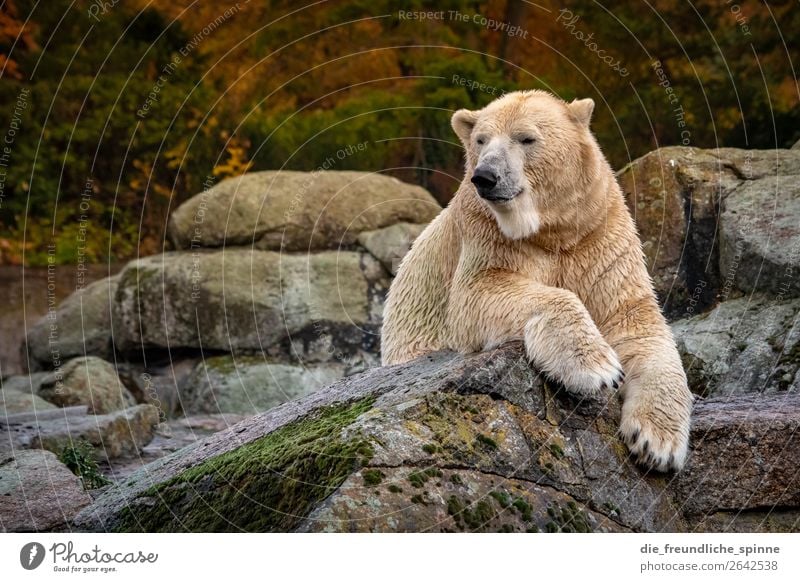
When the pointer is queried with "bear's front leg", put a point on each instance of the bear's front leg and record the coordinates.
(560, 337)
(562, 340)
(657, 403)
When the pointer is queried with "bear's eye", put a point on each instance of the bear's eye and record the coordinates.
(528, 140)
(480, 141)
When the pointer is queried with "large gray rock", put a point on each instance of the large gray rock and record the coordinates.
(297, 211)
(743, 345)
(760, 234)
(675, 195)
(246, 300)
(250, 384)
(453, 443)
(38, 493)
(87, 381)
(117, 434)
(28, 383)
(80, 326)
(389, 245)
(743, 473)
(14, 401)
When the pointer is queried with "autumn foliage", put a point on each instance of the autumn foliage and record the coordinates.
(135, 106)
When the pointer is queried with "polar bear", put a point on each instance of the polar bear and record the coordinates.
(537, 244)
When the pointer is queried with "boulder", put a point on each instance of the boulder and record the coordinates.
(454, 443)
(14, 401)
(80, 326)
(158, 382)
(117, 434)
(678, 197)
(389, 245)
(760, 235)
(38, 493)
(87, 381)
(751, 344)
(235, 300)
(297, 211)
(743, 474)
(28, 383)
(249, 384)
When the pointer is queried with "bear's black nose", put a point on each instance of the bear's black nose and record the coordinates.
(485, 180)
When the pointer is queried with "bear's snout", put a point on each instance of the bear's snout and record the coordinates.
(485, 181)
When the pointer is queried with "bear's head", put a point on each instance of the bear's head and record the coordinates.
(531, 158)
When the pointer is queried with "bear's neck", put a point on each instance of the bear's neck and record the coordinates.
(595, 207)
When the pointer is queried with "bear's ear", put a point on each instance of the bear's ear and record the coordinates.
(581, 110)
(463, 122)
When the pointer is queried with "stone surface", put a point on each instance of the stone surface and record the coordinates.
(13, 401)
(87, 381)
(38, 493)
(453, 443)
(744, 345)
(679, 197)
(246, 300)
(80, 326)
(748, 461)
(28, 383)
(760, 235)
(170, 436)
(117, 434)
(159, 381)
(297, 211)
(249, 384)
(389, 245)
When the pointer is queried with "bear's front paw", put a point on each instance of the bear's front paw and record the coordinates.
(656, 434)
(581, 360)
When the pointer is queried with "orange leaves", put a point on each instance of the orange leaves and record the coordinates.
(237, 162)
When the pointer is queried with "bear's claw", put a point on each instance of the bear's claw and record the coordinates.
(659, 452)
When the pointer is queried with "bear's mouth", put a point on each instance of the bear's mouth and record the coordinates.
(500, 198)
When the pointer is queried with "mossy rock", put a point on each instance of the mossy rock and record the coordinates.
(266, 485)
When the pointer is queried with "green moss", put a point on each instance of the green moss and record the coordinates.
(486, 441)
(456, 479)
(503, 498)
(524, 508)
(372, 477)
(477, 516)
(430, 448)
(419, 478)
(454, 508)
(557, 451)
(567, 519)
(394, 488)
(269, 484)
(474, 516)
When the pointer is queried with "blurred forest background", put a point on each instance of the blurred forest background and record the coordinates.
(117, 112)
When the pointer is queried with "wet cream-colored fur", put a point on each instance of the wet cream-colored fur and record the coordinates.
(560, 266)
